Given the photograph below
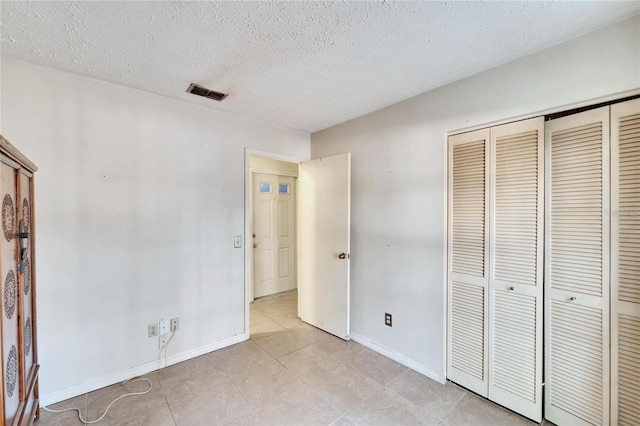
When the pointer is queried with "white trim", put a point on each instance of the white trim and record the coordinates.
(445, 260)
(122, 375)
(398, 357)
(568, 107)
(266, 171)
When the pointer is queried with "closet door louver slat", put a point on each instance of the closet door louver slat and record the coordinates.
(516, 242)
(577, 268)
(625, 271)
(577, 368)
(468, 261)
(467, 329)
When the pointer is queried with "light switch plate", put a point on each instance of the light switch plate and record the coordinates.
(237, 241)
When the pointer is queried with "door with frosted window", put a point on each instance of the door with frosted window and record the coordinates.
(273, 239)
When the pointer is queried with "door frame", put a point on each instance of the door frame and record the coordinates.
(248, 220)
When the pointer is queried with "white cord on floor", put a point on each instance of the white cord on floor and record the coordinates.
(109, 406)
(132, 380)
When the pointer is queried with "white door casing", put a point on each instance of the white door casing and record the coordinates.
(324, 192)
(273, 238)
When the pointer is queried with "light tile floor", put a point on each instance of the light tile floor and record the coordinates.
(288, 373)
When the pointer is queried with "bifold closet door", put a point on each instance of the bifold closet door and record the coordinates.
(577, 269)
(516, 270)
(625, 263)
(468, 261)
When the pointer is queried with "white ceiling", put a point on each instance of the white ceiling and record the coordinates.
(301, 65)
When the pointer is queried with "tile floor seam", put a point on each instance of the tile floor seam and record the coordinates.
(412, 403)
(233, 384)
(407, 372)
(173, 418)
(86, 404)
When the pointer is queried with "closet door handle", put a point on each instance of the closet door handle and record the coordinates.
(512, 288)
(572, 299)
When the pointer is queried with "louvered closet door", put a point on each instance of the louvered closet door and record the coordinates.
(625, 263)
(577, 269)
(468, 261)
(516, 254)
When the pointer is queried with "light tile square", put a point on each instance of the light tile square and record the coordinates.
(301, 405)
(433, 397)
(264, 382)
(282, 343)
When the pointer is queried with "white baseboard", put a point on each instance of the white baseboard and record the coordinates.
(398, 357)
(120, 376)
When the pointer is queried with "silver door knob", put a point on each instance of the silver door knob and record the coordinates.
(255, 245)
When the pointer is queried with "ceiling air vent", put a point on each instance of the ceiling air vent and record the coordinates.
(201, 91)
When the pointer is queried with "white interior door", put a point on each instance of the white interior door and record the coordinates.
(273, 234)
(516, 270)
(468, 294)
(625, 263)
(577, 269)
(323, 240)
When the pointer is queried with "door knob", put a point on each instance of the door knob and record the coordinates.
(342, 256)
(255, 245)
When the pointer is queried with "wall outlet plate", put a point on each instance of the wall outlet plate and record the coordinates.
(164, 340)
(164, 327)
(175, 324)
(153, 329)
(388, 319)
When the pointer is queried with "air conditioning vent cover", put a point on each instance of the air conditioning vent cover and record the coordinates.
(202, 91)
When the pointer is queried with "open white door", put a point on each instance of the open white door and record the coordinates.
(324, 192)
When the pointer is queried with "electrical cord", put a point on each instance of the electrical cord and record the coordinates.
(132, 380)
(166, 346)
(109, 406)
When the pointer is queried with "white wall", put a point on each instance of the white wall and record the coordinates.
(399, 172)
(138, 198)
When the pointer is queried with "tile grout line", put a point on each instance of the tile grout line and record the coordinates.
(164, 395)
(411, 403)
(251, 408)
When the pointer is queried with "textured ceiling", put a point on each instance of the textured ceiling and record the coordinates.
(301, 65)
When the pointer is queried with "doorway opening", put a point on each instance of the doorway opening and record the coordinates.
(271, 242)
(321, 249)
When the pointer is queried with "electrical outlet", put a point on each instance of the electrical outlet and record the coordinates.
(175, 324)
(153, 329)
(387, 319)
(164, 340)
(164, 327)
